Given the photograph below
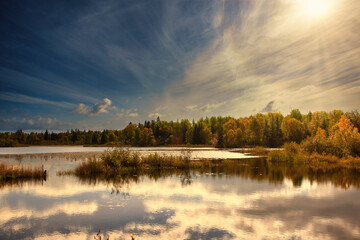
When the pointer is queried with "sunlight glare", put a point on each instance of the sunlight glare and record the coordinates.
(317, 8)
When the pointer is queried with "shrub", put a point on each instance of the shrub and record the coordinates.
(278, 156)
(343, 140)
(291, 153)
(91, 167)
(292, 148)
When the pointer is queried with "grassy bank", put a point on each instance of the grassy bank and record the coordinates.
(10, 173)
(295, 153)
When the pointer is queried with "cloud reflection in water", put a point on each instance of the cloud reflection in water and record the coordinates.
(250, 204)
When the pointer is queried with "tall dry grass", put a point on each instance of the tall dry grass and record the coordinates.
(122, 161)
(11, 172)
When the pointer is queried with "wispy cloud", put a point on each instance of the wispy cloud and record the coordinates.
(205, 108)
(49, 84)
(21, 98)
(267, 51)
(32, 123)
(221, 58)
(155, 115)
(133, 112)
(102, 107)
(159, 111)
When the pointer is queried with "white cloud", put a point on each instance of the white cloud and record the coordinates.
(135, 114)
(132, 112)
(155, 115)
(191, 108)
(102, 107)
(159, 112)
(205, 108)
(119, 115)
(82, 109)
(68, 208)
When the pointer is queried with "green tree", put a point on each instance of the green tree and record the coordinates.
(129, 133)
(295, 113)
(20, 136)
(220, 137)
(230, 139)
(104, 137)
(147, 137)
(136, 141)
(190, 135)
(319, 120)
(32, 139)
(46, 135)
(354, 117)
(112, 136)
(293, 129)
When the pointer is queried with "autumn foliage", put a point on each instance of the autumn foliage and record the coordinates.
(334, 133)
(343, 140)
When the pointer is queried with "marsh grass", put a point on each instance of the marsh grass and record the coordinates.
(10, 173)
(293, 153)
(258, 151)
(327, 169)
(284, 156)
(120, 162)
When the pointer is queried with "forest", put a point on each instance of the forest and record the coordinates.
(334, 132)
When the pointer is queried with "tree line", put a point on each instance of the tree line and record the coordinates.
(268, 130)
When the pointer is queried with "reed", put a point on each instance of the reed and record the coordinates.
(121, 161)
(293, 153)
(10, 172)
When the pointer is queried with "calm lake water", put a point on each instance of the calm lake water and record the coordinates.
(248, 200)
(196, 153)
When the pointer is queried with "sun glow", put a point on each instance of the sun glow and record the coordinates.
(316, 8)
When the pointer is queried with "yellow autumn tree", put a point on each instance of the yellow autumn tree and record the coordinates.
(345, 138)
(230, 139)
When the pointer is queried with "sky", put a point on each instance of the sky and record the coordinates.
(102, 64)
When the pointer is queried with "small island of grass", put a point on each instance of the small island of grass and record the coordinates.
(122, 161)
(10, 174)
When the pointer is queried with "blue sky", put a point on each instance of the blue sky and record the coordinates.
(101, 64)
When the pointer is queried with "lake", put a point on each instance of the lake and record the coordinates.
(251, 199)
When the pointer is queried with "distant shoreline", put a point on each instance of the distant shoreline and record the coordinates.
(99, 145)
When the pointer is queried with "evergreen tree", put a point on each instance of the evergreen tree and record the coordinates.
(220, 137)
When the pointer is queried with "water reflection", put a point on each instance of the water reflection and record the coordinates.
(247, 199)
(258, 169)
(20, 183)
